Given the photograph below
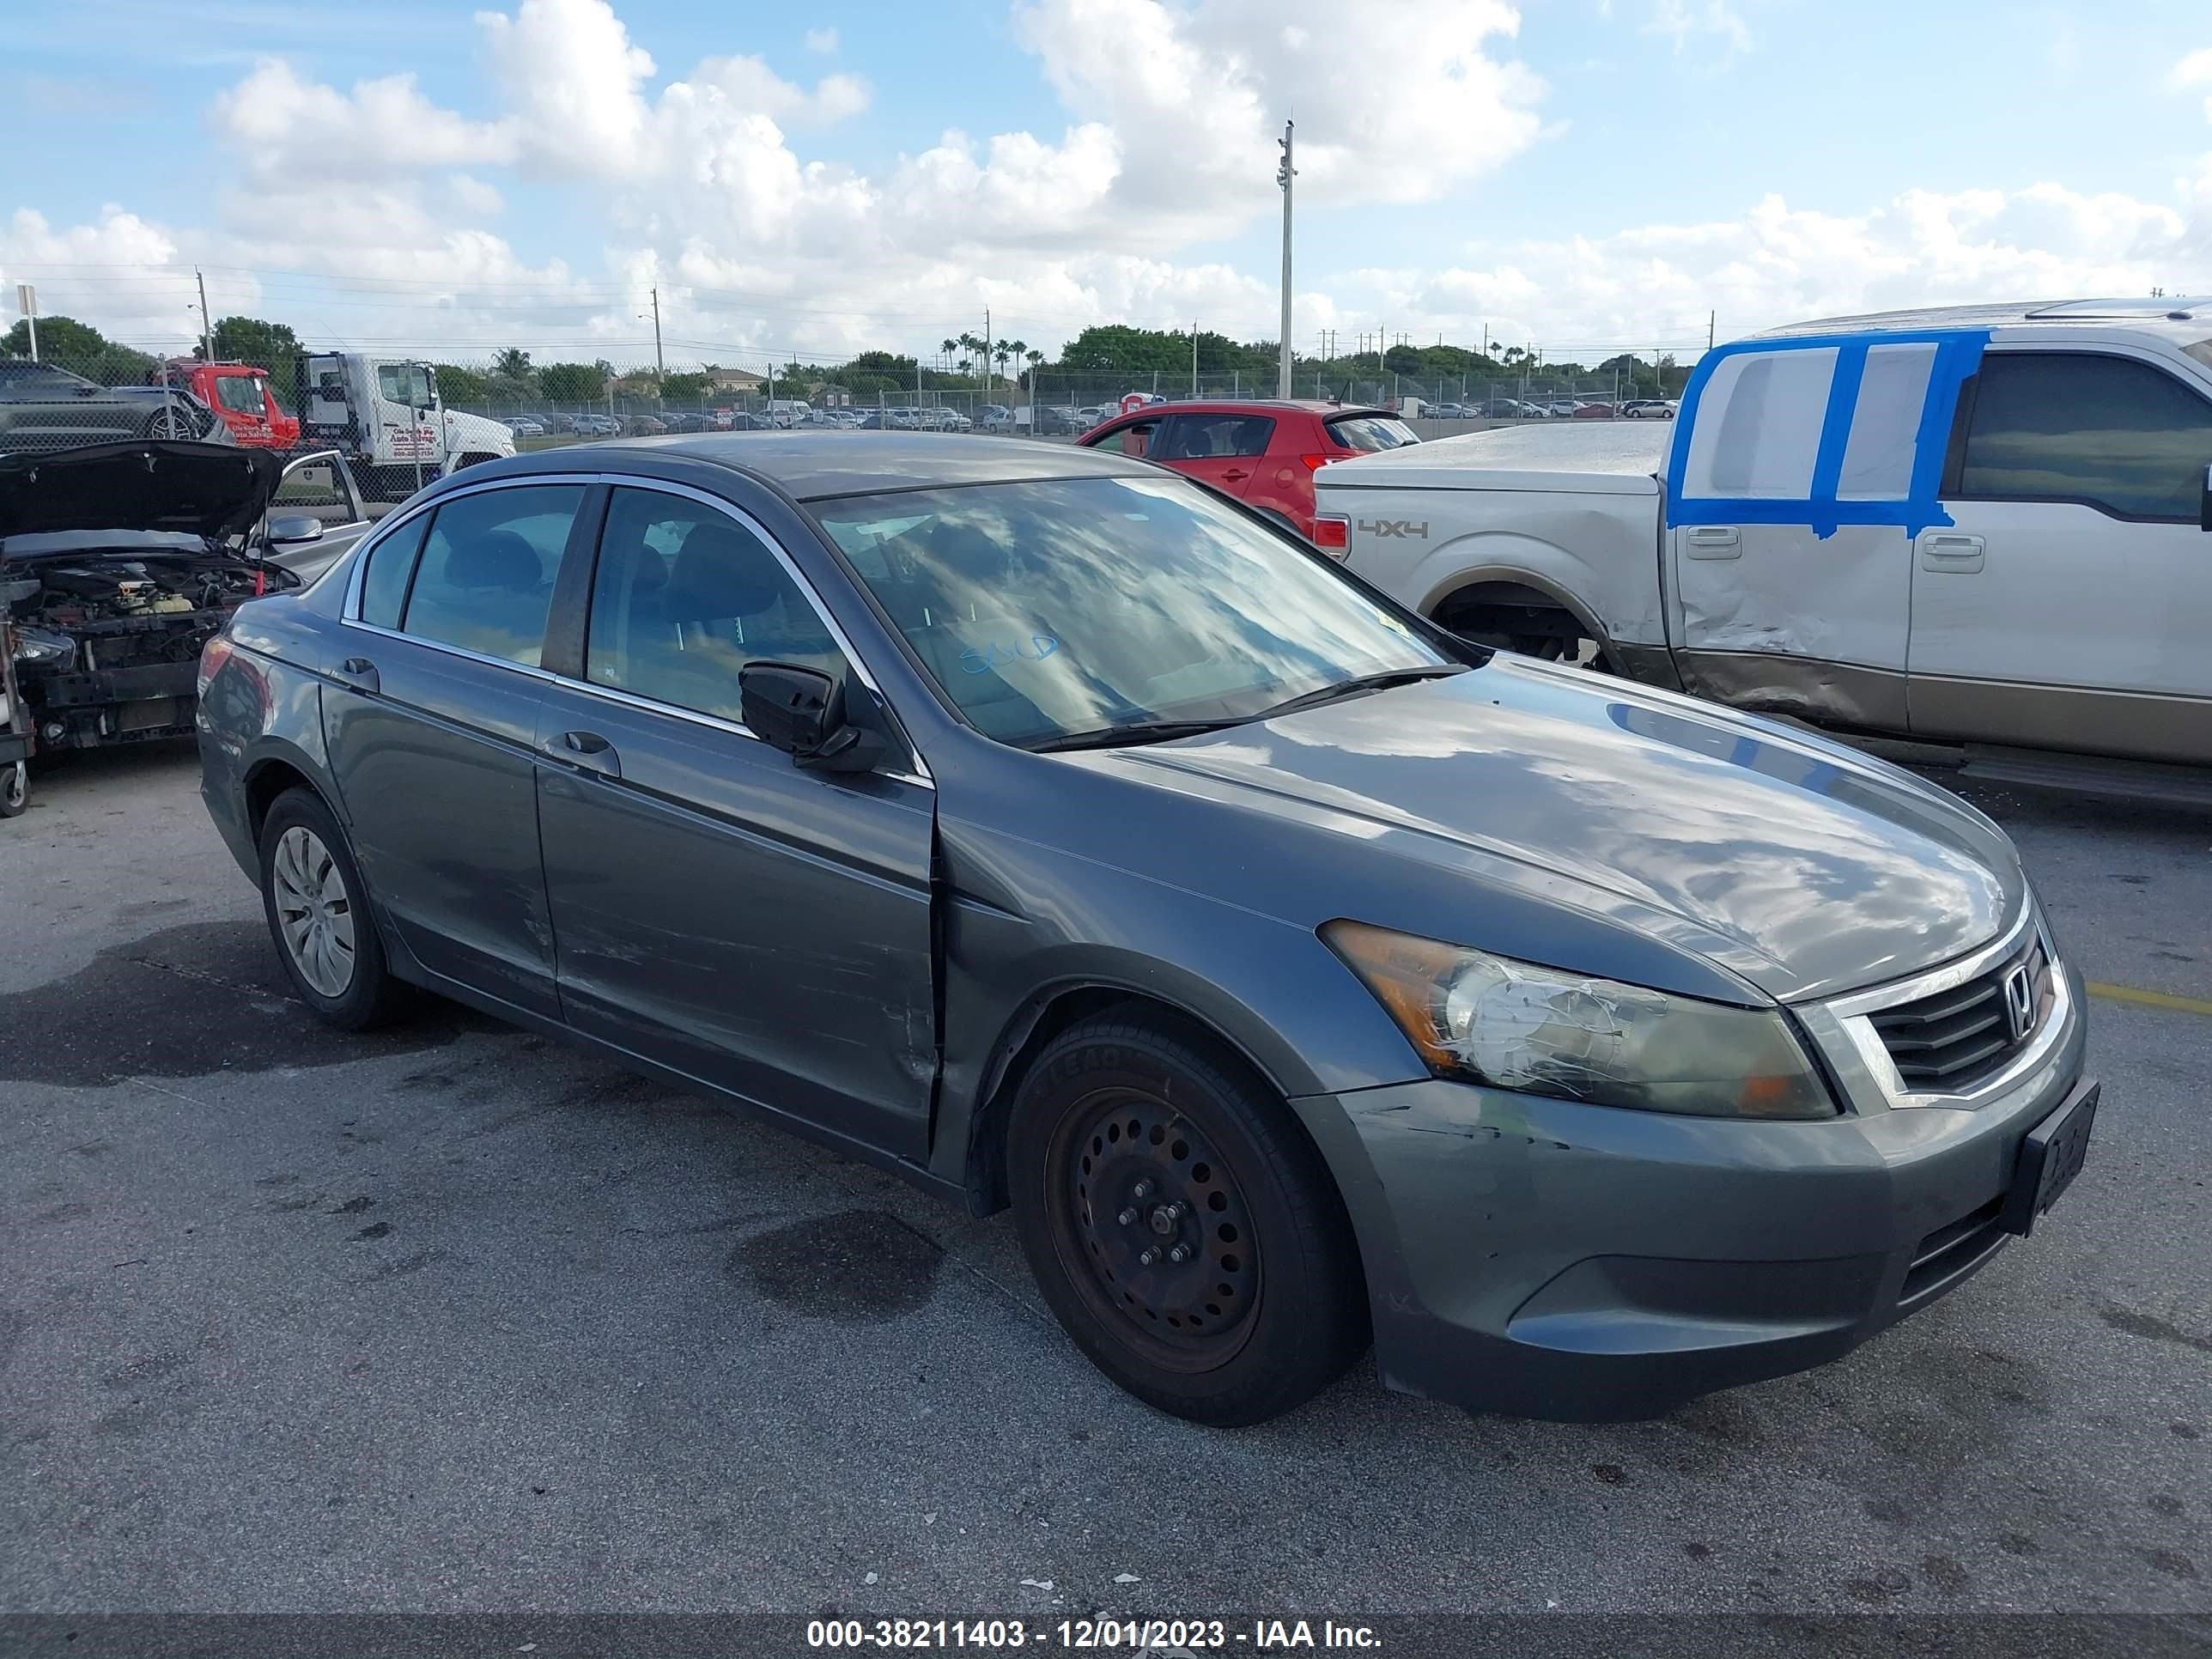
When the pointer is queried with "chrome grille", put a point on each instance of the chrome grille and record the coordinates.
(1951, 1040)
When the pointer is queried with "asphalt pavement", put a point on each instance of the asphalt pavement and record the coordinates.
(452, 1318)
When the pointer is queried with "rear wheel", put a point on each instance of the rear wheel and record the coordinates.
(1509, 617)
(312, 893)
(1185, 1233)
(172, 419)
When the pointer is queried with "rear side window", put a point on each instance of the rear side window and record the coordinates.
(2106, 431)
(685, 596)
(1369, 433)
(1759, 426)
(1212, 437)
(391, 561)
(485, 580)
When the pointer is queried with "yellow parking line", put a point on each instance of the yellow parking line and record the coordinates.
(2149, 999)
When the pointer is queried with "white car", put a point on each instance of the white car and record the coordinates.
(1655, 409)
(1997, 541)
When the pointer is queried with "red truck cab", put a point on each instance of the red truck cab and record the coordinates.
(240, 396)
(1265, 453)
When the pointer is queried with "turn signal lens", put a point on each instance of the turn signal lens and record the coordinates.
(1314, 463)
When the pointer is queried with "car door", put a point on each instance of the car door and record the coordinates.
(431, 721)
(1221, 450)
(240, 405)
(1793, 484)
(757, 926)
(2067, 603)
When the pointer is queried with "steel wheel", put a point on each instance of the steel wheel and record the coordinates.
(1157, 1231)
(14, 790)
(314, 911)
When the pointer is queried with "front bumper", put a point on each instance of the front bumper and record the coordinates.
(1584, 1263)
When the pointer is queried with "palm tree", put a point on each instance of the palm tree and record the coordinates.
(512, 364)
(948, 347)
(1004, 351)
(978, 351)
(1036, 359)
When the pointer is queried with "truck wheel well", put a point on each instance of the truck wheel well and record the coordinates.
(1519, 616)
(1018, 1048)
(470, 458)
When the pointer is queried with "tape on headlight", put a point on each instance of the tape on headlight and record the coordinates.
(1514, 1025)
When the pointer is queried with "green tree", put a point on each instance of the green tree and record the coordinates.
(513, 364)
(82, 349)
(272, 346)
(686, 388)
(461, 388)
(574, 383)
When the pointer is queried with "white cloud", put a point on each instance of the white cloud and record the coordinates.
(383, 128)
(2192, 72)
(1683, 22)
(822, 41)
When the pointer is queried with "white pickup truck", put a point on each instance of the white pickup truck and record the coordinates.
(384, 415)
(1984, 528)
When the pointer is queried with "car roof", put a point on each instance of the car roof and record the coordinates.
(815, 465)
(2187, 319)
(1253, 406)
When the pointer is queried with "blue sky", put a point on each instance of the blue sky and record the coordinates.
(1585, 173)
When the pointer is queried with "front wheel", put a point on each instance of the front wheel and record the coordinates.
(1183, 1229)
(15, 790)
(312, 893)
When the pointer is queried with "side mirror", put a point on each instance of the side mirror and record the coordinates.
(801, 711)
(293, 528)
(2205, 505)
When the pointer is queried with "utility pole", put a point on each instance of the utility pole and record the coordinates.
(1193, 358)
(986, 353)
(207, 323)
(1284, 174)
(26, 297)
(660, 368)
(1711, 318)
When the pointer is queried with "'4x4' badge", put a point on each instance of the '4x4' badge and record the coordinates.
(1386, 527)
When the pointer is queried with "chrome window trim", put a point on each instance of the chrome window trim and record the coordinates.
(349, 615)
(1845, 1034)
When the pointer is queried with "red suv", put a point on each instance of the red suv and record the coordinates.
(1263, 453)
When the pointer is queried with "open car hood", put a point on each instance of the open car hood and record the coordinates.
(147, 483)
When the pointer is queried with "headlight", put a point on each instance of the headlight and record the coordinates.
(42, 649)
(1512, 1024)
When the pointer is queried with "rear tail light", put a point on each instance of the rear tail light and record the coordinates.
(216, 652)
(1314, 463)
(1332, 533)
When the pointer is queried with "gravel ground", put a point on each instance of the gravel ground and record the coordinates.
(451, 1318)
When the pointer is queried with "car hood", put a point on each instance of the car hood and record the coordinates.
(213, 491)
(1801, 866)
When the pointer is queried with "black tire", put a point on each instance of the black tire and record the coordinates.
(1270, 1306)
(175, 421)
(15, 789)
(370, 995)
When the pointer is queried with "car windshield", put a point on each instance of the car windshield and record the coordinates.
(1369, 433)
(2202, 351)
(1087, 607)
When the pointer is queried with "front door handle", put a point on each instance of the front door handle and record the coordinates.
(587, 751)
(359, 674)
(1235, 474)
(1951, 555)
(1715, 541)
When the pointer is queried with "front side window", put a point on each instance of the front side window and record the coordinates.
(239, 393)
(404, 383)
(1072, 606)
(1214, 437)
(485, 580)
(685, 596)
(2107, 432)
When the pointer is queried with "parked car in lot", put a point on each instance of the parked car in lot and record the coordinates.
(1509, 408)
(1996, 539)
(523, 426)
(1594, 409)
(1264, 453)
(1655, 409)
(995, 417)
(119, 560)
(1293, 968)
(44, 408)
(596, 426)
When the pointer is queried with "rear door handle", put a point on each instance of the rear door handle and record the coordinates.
(1715, 541)
(359, 674)
(1951, 555)
(587, 751)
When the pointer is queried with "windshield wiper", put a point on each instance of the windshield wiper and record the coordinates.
(1358, 685)
(1139, 731)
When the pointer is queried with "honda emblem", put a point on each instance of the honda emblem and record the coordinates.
(2019, 1002)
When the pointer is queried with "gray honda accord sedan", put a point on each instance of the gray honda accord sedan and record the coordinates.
(1046, 829)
